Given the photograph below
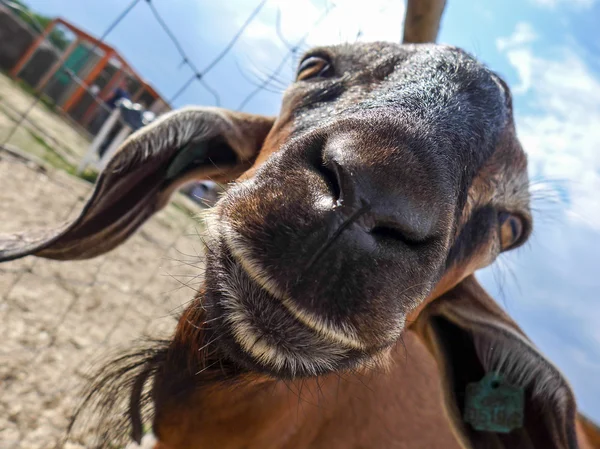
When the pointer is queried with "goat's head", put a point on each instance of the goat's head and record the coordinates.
(392, 173)
(390, 170)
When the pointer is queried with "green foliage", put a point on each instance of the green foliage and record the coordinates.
(57, 160)
(88, 175)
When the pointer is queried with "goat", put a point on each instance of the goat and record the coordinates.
(339, 263)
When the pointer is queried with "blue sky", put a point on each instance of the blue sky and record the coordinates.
(547, 50)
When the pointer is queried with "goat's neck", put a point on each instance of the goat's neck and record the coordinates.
(367, 409)
(252, 415)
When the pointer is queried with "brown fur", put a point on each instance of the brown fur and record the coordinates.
(588, 432)
(345, 410)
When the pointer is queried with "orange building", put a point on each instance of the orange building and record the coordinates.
(84, 73)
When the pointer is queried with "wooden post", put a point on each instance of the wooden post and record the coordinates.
(24, 59)
(74, 98)
(57, 65)
(422, 21)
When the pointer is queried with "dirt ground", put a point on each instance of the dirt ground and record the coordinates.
(42, 130)
(57, 319)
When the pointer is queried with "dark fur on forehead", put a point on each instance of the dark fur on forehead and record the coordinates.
(432, 82)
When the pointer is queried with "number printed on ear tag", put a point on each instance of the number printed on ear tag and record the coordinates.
(492, 405)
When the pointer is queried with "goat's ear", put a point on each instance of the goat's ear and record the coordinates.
(471, 337)
(182, 146)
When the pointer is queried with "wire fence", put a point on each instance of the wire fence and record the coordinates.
(58, 316)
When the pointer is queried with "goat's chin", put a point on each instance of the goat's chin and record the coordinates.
(257, 330)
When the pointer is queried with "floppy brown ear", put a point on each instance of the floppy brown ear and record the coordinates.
(182, 146)
(470, 337)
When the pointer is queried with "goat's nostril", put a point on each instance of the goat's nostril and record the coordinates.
(330, 174)
(390, 232)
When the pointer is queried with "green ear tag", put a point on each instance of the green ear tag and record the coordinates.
(492, 405)
(191, 155)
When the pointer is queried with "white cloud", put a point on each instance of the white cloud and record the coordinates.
(374, 20)
(524, 34)
(522, 60)
(551, 4)
(346, 21)
(303, 23)
(561, 131)
(260, 50)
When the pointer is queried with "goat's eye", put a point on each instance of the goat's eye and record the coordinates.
(511, 229)
(314, 66)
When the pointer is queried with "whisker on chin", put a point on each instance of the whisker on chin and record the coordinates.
(210, 342)
(183, 284)
(207, 367)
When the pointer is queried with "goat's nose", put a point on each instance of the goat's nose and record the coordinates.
(386, 182)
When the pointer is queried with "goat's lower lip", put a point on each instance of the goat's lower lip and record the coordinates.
(344, 337)
(257, 331)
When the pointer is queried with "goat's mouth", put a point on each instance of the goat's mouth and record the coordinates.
(257, 330)
(344, 334)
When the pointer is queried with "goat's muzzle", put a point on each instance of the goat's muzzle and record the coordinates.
(327, 248)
